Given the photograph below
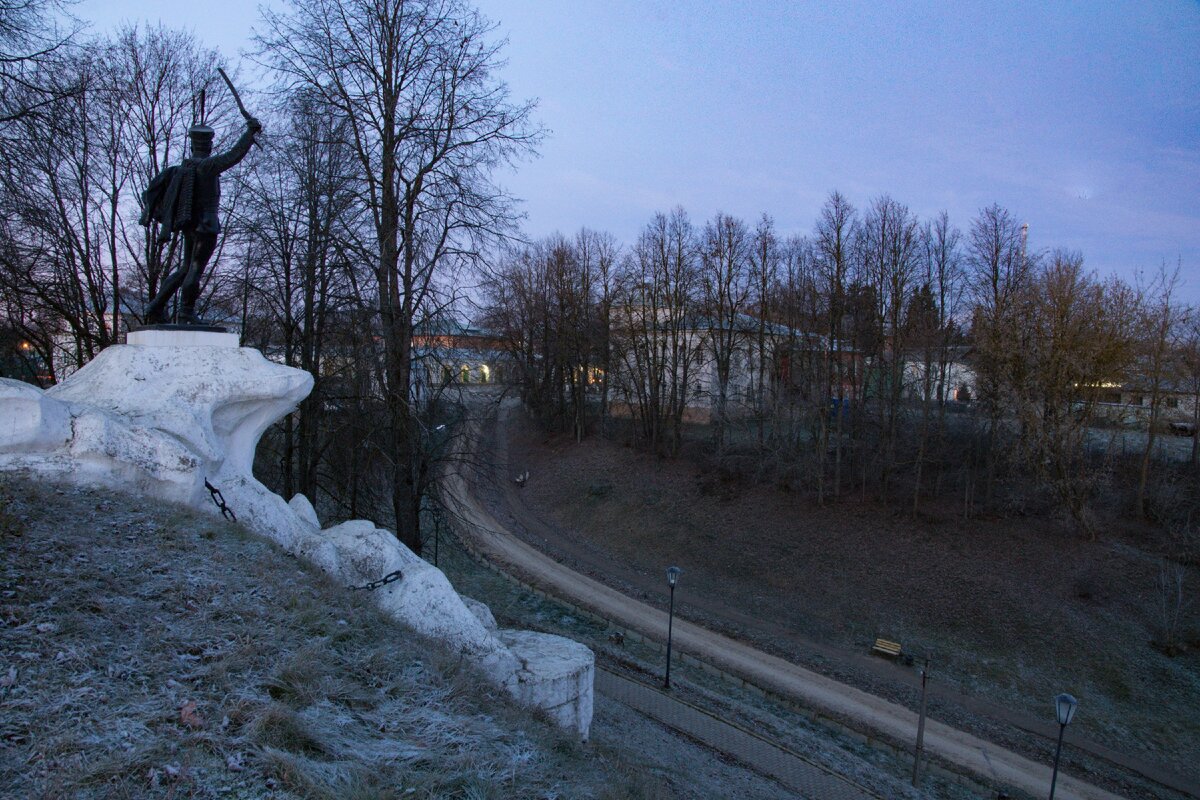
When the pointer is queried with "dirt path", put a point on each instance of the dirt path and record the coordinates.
(970, 753)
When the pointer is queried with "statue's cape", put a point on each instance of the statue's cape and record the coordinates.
(168, 199)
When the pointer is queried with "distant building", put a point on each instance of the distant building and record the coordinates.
(768, 363)
(1128, 404)
(447, 351)
(941, 376)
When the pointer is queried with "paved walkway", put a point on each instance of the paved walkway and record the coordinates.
(795, 772)
(997, 766)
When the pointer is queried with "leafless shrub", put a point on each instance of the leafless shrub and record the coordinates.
(1172, 603)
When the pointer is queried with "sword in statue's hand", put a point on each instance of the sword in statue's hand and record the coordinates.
(238, 99)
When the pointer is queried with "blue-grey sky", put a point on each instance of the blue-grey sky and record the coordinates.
(1081, 118)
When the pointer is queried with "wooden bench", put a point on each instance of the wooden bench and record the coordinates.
(886, 648)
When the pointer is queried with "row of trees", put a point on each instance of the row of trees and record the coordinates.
(844, 348)
(384, 122)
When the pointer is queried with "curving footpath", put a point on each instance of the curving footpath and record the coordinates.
(967, 752)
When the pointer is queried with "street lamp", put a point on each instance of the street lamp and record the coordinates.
(916, 776)
(673, 574)
(1064, 707)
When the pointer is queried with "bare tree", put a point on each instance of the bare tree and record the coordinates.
(517, 306)
(1160, 325)
(1190, 358)
(429, 120)
(158, 73)
(653, 339)
(801, 360)
(890, 246)
(598, 254)
(35, 37)
(1077, 333)
(539, 299)
(834, 234)
(297, 210)
(552, 301)
(998, 272)
(575, 286)
(59, 167)
(725, 283)
(1172, 603)
(764, 274)
(932, 324)
(71, 183)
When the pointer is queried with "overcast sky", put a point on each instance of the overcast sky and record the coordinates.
(1082, 119)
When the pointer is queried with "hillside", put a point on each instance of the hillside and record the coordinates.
(151, 651)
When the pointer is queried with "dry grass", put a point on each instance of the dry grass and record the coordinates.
(151, 652)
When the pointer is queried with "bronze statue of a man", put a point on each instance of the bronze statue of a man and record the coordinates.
(184, 200)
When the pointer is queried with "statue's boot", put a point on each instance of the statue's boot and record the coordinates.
(155, 312)
(187, 316)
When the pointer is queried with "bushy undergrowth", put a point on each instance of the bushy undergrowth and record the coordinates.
(963, 472)
(152, 652)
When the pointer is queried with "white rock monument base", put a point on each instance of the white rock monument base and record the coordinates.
(172, 409)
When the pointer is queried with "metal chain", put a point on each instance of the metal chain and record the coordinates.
(373, 585)
(217, 498)
(227, 512)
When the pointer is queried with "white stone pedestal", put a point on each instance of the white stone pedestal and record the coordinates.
(151, 337)
(178, 409)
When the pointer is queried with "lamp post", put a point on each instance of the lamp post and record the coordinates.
(916, 775)
(1064, 708)
(673, 574)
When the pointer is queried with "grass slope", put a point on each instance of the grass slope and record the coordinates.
(153, 652)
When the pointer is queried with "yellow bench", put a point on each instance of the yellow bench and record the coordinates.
(886, 648)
